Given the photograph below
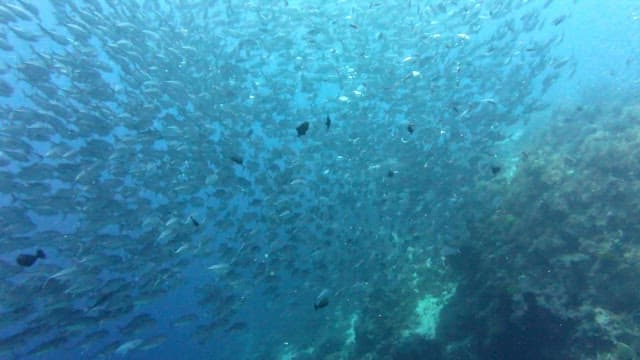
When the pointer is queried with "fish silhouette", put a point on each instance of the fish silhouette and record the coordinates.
(322, 300)
(302, 128)
(28, 260)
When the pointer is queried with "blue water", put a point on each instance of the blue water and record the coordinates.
(478, 153)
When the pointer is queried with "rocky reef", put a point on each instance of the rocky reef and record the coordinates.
(552, 270)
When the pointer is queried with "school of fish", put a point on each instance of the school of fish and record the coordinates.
(278, 156)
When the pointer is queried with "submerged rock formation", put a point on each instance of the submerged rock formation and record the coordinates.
(554, 272)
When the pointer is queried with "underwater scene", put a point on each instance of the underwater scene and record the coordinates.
(305, 179)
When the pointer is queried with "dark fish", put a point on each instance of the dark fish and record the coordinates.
(6, 89)
(237, 159)
(327, 122)
(495, 169)
(194, 221)
(28, 260)
(410, 128)
(322, 300)
(559, 20)
(391, 173)
(302, 128)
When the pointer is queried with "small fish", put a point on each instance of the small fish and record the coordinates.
(390, 173)
(559, 20)
(28, 260)
(327, 122)
(185, 320)
(236, 326)
(103, 299)
(495, 169)
(194, 221)
(216, 267)
(410, 128)
(123, 349)
(322, 300)
(302, 128)
(447, 250)
(237, 159)
(181, 248)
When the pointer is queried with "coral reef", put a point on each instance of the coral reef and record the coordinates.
(554, 271)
